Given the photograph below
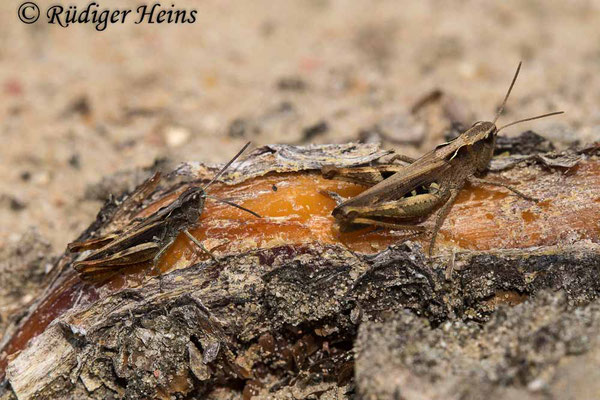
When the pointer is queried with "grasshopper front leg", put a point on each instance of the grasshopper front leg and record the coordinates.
(200, 245)
(504, 185)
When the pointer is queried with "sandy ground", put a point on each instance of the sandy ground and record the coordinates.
(77, 105)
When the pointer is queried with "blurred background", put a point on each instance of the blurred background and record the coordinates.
(77, 105)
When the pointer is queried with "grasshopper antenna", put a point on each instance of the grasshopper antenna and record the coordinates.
(530, 119)
(501, 109)
(226, 166)
(231, 203)
(221, 173)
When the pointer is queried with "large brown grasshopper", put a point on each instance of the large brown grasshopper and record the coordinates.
(148, 239)
(432, 181)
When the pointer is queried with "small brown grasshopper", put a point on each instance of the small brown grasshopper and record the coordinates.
(149, 238)
(434, 180)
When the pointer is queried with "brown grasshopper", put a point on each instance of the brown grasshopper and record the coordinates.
(434, 180)
(149, 238)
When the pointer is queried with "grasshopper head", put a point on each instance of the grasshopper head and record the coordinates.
(480, 130)
(194, 195)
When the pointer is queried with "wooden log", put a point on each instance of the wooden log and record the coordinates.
(278, 312)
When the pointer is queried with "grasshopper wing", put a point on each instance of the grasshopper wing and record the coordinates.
(139, 234)
(90, 269)
(423, 171)
(120, 218)
(92, 244)
(131, 204)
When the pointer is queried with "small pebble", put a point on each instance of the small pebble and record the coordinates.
(176, 136)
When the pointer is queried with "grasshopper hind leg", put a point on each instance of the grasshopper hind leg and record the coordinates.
(192, 238)
(442, 214)
(160, 253)
(416, 206)
(166, 247)
(391, 225)
(155, 260)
